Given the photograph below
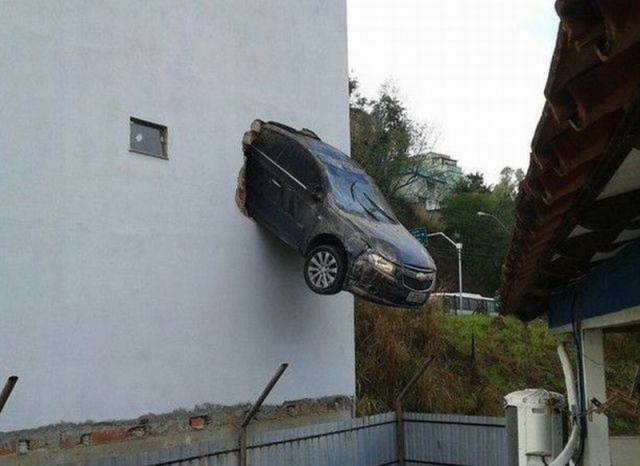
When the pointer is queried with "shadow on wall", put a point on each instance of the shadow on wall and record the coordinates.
(290, 267)
(284, 265)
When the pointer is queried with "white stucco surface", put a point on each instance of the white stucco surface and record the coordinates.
(130, 284)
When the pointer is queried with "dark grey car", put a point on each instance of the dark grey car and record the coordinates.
(321, 203)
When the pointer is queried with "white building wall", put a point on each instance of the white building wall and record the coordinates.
(130, 284)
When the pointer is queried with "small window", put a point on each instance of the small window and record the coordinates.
(148, 138)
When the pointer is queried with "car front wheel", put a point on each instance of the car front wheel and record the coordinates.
(325, 269)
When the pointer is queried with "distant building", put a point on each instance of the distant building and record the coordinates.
(431, 180)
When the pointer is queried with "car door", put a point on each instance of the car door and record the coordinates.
(301, 194)
(265, 180)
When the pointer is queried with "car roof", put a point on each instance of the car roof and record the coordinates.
(325, 153)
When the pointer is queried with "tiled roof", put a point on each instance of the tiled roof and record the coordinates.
(580, 200)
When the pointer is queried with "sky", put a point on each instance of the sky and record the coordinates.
(474, 68)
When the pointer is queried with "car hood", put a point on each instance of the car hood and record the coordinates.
(394, 242)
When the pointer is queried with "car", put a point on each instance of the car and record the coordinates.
(317, 200)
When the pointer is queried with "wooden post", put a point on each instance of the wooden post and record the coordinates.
(400, 441)
(242, 446)
(473, 347)
(6, 391)
(242, 438)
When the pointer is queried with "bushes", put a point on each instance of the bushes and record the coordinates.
(391, 345)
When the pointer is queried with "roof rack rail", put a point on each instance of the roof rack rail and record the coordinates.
(311, 134)
(304, 131)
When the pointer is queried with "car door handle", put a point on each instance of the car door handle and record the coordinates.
(276, 182)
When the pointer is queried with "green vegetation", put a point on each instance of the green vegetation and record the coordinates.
(385, 141)
(485, 240)
(622, 358)
(391, 345)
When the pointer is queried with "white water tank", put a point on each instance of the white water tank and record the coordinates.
(534, 426)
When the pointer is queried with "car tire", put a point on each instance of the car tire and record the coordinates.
(248, 139)
(325, 269)
(257, 125)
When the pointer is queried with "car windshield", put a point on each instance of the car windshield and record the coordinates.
(357, 194)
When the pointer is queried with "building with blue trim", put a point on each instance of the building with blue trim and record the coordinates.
(574, 257)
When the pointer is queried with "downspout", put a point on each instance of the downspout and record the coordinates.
(572, 400)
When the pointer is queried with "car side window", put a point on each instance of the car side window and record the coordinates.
(466, 304)
(300, 164)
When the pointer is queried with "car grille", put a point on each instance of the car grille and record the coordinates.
(410, 281)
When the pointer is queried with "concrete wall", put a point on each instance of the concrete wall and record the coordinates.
(130, 284)
(158, 435)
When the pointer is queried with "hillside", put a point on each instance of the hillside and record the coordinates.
(509, 355)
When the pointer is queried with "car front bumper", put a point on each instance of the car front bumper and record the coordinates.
(365, 281)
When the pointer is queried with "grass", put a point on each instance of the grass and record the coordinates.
(622, 356)
(391, 345)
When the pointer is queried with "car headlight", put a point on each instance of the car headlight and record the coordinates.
(381, 264)
(424, 276)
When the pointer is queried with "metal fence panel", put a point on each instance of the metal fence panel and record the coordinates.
(370, 441)
(358, 442)
(455, 440)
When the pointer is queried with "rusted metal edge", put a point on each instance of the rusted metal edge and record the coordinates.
(6, 391)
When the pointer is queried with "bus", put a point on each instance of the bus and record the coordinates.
(471, 303)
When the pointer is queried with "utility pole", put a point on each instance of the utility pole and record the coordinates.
(458, 247)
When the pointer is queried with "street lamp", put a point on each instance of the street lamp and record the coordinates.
(458, 247)
(485, 214)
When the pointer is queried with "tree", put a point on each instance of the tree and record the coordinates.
(385, 140)
(510, 180)
(485, 241)
(472, 183)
